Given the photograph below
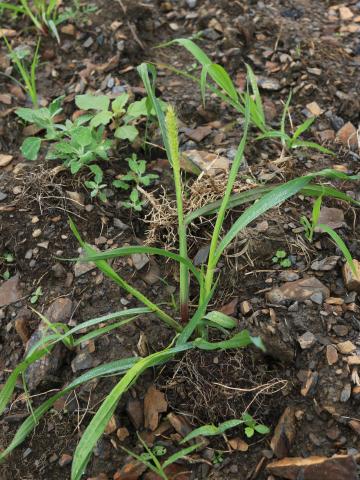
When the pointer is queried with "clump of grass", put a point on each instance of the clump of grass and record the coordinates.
(192, 326)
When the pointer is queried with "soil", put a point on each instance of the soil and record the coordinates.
(308, 47)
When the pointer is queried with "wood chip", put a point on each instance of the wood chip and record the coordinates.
(154, 404)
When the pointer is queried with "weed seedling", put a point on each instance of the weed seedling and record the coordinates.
(26, 70)
(36, 295)
(313, 223)
(282, 259)
(95, 185)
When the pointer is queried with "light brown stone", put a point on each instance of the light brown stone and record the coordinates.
(352, 281)
(338, 467)
(331, 355)
(346, 347)
(10, 291)
(353, 360)
(347, 135)
(299, 290)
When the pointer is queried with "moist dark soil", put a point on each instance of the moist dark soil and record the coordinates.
(307, 47)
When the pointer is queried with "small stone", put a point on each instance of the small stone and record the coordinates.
(326, 264)
(10, 291)
(122, 433)
(352, 282)
(65, 459)
(245, 307)
(80, 268)
(341, 330)
(355, 426)
(346, 347)
(306, 340)
(299, 290)
(345, 13)
(82, 361)
(331, 354)
(314, 109)
(332, 217)
(317, 298)
(139, 260)
(347, 135)
(191, 3)
(267, 83)
(345, 393)
(88, 42)
(68, 29)
(120, 225)
(77, 198)
(5, 159)
(288, 276)
(353, 360)
(111, 425)
(238, 444)
(294, 307)
(3, 196)
(338, 467)
(36, 233)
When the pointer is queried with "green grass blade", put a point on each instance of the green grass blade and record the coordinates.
(303, 127)
(9, 6)
(313, 145)
(180, 454)
(258, 102)
(268, 201)
(341, 245)
(239, 340)
(125, 251)
(143, 71)
(98, 423)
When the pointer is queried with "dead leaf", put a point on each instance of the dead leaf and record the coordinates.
(173, 472)
(229, 308)
(154, 403)
(130, 471)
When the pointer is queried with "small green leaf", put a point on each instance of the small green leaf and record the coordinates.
(82, 136)
(92, 102)
(262, 429)
(249, 432)
(280, 254)
(119, 103)
(101, 118)
(126, 132)
(121, 184)
(221, 319)
(286, 263)
(30, 147)
(137, 109)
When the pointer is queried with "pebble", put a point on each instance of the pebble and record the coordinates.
(306, 340)
(88, 42)
(65, 459)
(331, 354)
(120, 225)
(288, 276)
(10, 291)
(317, 298)
(345, 393)
(139, 260)
(346, 347)
(2, 196)
(36, 233)
(82, 361)
(191, 3)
